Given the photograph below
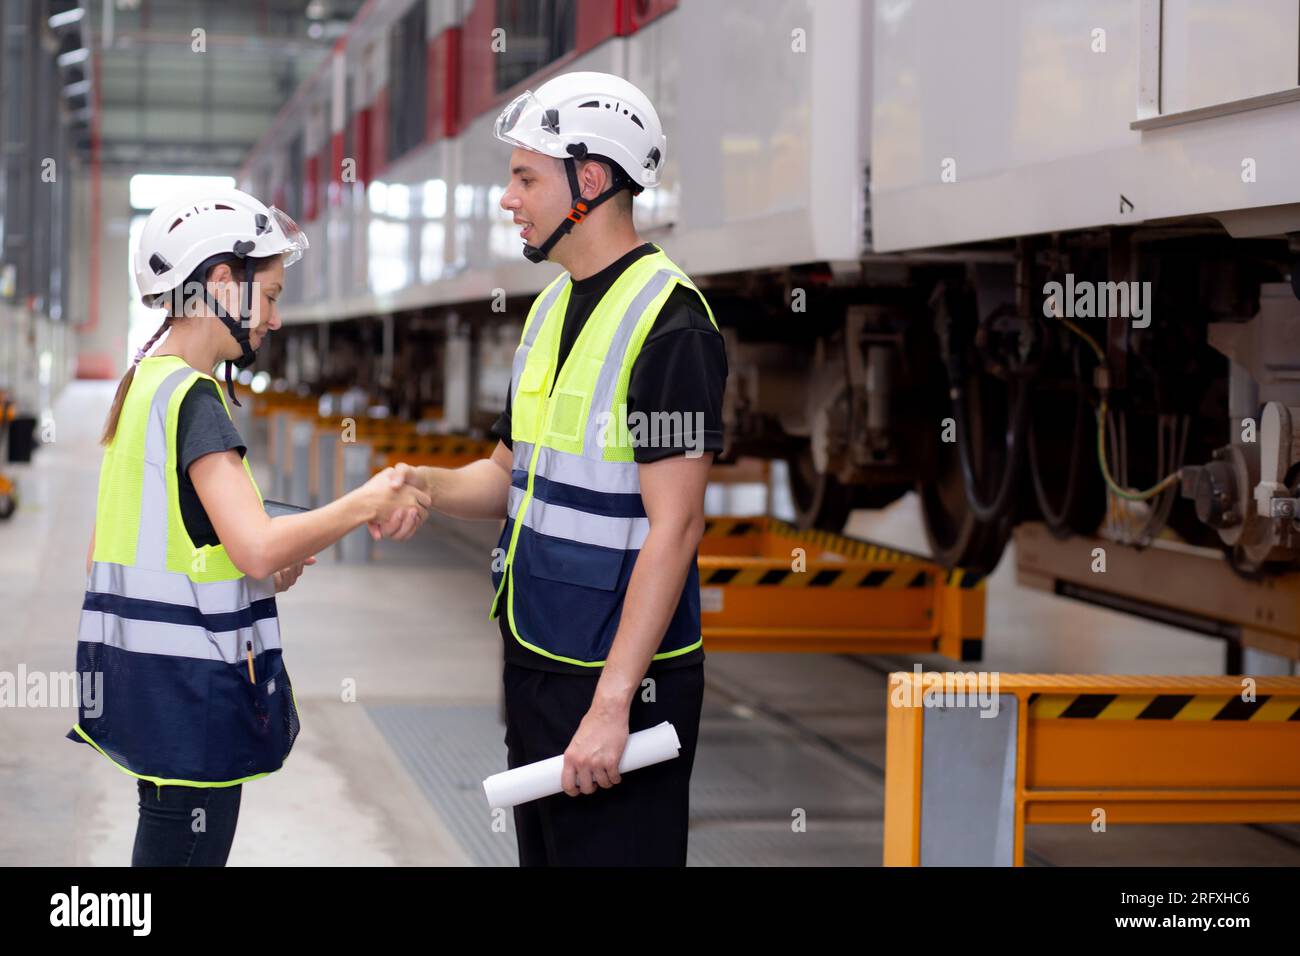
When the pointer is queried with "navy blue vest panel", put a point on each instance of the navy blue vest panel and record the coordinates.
(204, 720)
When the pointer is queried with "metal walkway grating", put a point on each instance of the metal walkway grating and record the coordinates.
(448, 751)
(749, 777)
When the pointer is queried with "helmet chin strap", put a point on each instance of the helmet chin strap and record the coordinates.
(579, 207)
(237, 328)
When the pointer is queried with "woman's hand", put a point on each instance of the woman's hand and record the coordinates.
(285, 578)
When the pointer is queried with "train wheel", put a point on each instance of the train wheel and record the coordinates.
(942, 341)
(957, 538)
(820, 501)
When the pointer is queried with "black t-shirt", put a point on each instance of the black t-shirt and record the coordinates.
(682, 367)
(202, 427)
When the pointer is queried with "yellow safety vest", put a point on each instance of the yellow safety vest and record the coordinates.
(167, 628)
(575, 521)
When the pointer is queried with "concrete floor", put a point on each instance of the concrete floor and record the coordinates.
(409, 630)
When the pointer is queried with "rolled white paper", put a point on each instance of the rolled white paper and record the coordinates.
(543, 778)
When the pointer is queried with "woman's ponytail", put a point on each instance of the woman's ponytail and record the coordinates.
(114, 413)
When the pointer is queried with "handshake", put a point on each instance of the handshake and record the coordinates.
(398, 500)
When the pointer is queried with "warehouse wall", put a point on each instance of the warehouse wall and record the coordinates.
(101, 349)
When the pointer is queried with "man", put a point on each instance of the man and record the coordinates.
(611, 422)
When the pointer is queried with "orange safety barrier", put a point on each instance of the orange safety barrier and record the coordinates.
(767, 586)
(972, 758)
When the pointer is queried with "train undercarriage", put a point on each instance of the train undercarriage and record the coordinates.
(946, 374)
(943, 373)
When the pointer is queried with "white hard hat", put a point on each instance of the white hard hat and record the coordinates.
(182, 234)
(577, 114)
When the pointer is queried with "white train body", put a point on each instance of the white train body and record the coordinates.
(1051, 117)
(920, 172)
(977, 121)
(755, 178)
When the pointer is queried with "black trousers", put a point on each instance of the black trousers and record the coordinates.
(171, 833)
(642, 821)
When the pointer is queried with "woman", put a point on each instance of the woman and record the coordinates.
(179, 638)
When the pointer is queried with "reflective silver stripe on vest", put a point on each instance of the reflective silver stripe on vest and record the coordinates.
(602, 400)
(521, 453)
(557, 521)
(589, 470)
(146, 584)
(178, 640)
(149, 579)
(151, 542)
(612, 477)
(530, 333)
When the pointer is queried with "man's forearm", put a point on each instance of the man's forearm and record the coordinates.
(652, 595)
(477, 490)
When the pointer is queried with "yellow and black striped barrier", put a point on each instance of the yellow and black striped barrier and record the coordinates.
(824, 578)
(1162, 707)
(766, 585)
(727, 536)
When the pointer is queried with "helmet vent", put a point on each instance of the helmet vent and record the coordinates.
(224, 206)
(175, 224)
(637, 121)
(589, 103)
(158, 264)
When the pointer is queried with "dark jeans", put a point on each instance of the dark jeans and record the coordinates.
(171, 833)
(642, 821)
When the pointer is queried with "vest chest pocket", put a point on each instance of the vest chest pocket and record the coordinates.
(568, 414)
(570, 403)
(570, 563)
(528, 401)
(533, 377)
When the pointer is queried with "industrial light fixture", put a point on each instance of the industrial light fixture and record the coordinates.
(66, 18)
(72, 57)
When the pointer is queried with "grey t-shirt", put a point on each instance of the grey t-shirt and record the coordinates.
(202, 427)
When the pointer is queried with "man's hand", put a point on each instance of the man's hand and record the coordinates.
(593, 755)
(286, 577)
(403, 523)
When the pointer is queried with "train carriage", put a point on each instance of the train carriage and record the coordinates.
(879, 199)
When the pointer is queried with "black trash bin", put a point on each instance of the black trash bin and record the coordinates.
(22, 438)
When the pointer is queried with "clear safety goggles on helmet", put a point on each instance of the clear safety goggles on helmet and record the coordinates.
(507, 128)
(293, 235)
